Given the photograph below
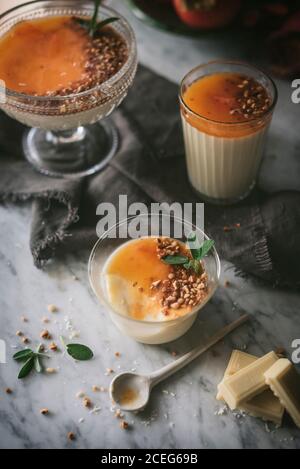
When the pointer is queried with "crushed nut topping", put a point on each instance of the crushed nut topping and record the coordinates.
(183, 288)
(252, 98)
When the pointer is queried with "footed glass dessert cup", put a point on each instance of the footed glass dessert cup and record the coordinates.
(70, 135)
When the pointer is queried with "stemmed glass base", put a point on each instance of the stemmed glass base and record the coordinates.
(72, 154)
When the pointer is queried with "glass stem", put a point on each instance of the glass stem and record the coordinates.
(61, 137)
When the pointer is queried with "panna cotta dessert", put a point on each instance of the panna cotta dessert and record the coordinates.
(154, 282)
(226, 110)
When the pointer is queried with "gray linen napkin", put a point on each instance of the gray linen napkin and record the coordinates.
(149, 167)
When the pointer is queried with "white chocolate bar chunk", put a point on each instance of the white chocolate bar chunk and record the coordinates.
(284, 381)
(248, 382)
(238, 360)
(265, 405)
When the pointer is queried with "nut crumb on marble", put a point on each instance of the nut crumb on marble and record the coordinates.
(44, 411)
(80, 394)
(52, 308)
(117, 354)
(226, 284)
(8, 391)
(87, 402)
(124, 425)
(45, 320)
(45, 334)
(95, 388)
(51, 370)
(24, 319)
(118, 414)
(109, 371)
(19, 333)
(71, 436)
(25, 340)
(53, 347)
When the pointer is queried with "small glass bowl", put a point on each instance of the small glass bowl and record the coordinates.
(71, 136)
(149, 332)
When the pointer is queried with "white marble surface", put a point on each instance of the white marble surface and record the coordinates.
(182, 410)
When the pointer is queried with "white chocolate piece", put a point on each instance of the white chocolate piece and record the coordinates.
(238, 360)
(265, 405)
(284, 381)
(248, 382)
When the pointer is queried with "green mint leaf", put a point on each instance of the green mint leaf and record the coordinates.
(103, 23)
(93, 22)
(23, 354)
(206, 247)
(175, 260)
(194, 265)
(37, 364)
(26, 369)
(79, 352)
(193, 243)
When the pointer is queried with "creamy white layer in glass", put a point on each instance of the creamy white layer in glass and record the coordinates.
(224, 152)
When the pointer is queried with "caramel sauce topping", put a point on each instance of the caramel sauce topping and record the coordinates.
(227, 98)
(44, 55)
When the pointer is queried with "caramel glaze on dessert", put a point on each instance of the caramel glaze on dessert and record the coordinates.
(56, 56)
(152, 285)
(227, 98)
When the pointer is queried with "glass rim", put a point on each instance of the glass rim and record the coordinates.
(168, 321)
(229, 124)
(125, 67)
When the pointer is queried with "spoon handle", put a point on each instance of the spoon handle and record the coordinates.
(158, 376)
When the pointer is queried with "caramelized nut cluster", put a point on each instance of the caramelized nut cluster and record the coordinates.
(253, 99)
(183, 288)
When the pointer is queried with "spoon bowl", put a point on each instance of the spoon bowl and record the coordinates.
(130, 391)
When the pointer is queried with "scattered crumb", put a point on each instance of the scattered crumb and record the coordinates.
(25, 340)
(174, 353)
(109, 371)
(71, 436)
(45, 320)
(103, 389)
(44, 411)
(45, 334)
(222, 411)
(81, 420)
(95, 388)
(118, 414)
(75, 277)
(41, 348)
(226, 284)
(19, 333)
(87, 402)
(53, 346)
(24, 319)
(117, 354)
(8, 391)
(124, 425)
(80, 394)
(50, 370)
(52, 308)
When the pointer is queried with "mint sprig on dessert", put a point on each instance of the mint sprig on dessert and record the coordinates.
(197, 254)
(92, 25)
